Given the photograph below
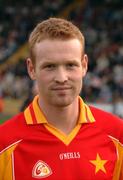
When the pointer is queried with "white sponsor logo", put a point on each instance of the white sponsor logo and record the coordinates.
(69, 155)
(41, 170)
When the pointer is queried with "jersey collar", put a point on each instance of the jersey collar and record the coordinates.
(34, 115)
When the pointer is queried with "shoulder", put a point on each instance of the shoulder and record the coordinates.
(109, 123)
(10, 124)
(12, 130)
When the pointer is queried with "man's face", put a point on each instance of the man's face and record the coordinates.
(59, 70)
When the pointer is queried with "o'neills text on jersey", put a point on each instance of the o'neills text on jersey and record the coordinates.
(69, 155)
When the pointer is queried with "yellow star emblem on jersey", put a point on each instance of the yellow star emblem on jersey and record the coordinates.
(99, 164)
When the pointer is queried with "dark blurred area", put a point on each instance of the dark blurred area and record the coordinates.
(100, 21)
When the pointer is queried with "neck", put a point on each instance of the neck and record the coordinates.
(62, 118)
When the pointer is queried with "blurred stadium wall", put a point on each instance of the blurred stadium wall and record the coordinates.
(101, 23)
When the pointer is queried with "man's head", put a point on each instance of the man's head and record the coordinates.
(54, 29)
(57, 61)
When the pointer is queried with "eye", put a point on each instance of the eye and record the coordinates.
(50, 66)
(71, 65)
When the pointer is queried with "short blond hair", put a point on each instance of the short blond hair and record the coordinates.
(54, 28)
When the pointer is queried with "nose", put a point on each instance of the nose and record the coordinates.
(61, 76)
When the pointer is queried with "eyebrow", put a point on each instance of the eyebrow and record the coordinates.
(59, 62)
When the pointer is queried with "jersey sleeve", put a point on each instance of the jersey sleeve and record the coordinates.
(10, 136)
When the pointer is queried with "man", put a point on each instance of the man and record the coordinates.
(58, 136)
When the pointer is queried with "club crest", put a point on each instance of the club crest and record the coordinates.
(41, 170)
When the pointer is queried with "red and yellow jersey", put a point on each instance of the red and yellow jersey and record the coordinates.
(31, 148)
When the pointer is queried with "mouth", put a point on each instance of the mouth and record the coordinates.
(61, 88)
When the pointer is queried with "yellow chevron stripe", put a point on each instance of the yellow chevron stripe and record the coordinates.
(82, 113)
(118, 171)
(6, 169)
(38, 113)
(89, 114)
(28, 116)
(66, 139)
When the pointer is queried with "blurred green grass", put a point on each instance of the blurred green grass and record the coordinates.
(4, 117)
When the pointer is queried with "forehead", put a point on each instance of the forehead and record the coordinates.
(50, 47)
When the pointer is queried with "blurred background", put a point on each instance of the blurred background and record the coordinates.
(102, 24)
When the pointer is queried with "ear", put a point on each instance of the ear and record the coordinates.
(30, 69)
(84, 64)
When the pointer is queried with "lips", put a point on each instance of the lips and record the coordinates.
(61, 88)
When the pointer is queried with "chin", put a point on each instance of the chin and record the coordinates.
(63, 102)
